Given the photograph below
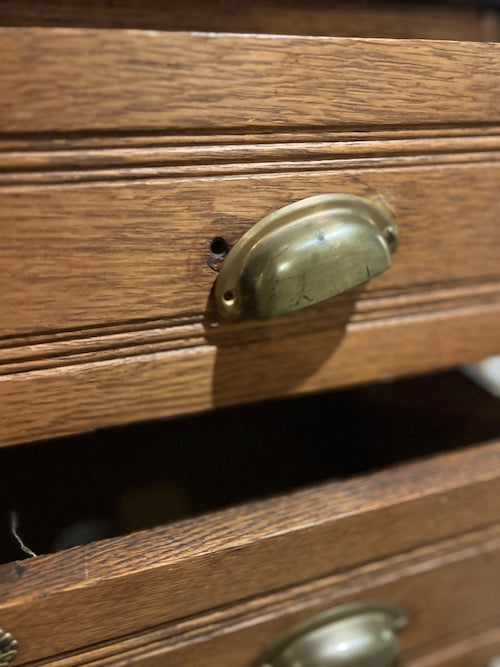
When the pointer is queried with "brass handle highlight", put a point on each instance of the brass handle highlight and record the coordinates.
(362, 634)
(8, 648)
(304, 253)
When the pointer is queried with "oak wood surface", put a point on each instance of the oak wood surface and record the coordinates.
(117, 170)
(59, 159)
(345, 18)
(123, 154)
(126, 79)
(470, 651)
(129, 251)
(166, 574)
(447, 588)
(106, 287)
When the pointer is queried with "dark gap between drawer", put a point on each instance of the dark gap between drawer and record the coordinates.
(118, 480)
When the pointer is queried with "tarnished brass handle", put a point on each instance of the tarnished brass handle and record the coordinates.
(303, 253)
(362, 634)
(8, 648)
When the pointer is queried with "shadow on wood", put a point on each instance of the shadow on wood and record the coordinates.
(259, 359)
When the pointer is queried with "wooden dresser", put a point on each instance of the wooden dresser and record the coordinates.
(139, 142)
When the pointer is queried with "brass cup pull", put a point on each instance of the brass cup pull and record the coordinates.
(304, 253)
(362, 634)
(8, 648)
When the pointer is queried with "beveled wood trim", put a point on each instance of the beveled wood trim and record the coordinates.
(124, 340)
(404, 138)
(127, 79)
(107, 158)
(69, 399)
(158, 576)
(423, 581)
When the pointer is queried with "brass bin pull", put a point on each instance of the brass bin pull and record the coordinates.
(361, 634)
(8, 648)
(303, 253)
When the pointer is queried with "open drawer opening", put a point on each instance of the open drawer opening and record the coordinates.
(116, 481)
(466, 20)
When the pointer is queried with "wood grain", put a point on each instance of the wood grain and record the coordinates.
(117, 170)
(344, 18)
(159, 384)
(106, 292)
(152, 578)
(102, 79)
(129, 251)
(470, 651)
(447, 588)
(123, 153)
(58, 159)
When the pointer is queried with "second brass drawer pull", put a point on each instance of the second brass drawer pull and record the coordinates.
(8, 648)
(303, 253)
(361, 634)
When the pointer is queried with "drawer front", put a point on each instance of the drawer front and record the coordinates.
(479, 650)
(448, 590)
(136, 80)
(210, 586)
(78, 256)
(443, 601)
(124, 156)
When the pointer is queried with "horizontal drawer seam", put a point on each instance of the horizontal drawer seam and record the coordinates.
(25, 354)
(134, 172)
(116, 138)
(51, 156)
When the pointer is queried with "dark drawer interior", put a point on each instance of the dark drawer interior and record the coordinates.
(118, 480)
(453, 19)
